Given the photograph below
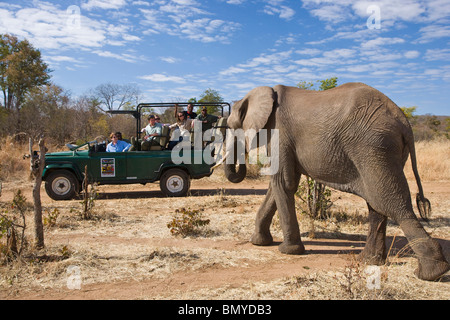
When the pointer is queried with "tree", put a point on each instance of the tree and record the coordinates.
(210, 95)
(433, 122)
(21, 69)
(305, 85)
(47, 110)
(328, 83)
(409, 113)
(115, 96)
(324, 84)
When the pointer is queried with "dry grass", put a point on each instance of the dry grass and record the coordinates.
(350, 283)
(433, 160)
(12, 164)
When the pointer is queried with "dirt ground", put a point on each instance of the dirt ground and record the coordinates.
(127, 251)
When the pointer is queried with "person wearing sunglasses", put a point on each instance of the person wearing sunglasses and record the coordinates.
(117, 144)
(184, 126)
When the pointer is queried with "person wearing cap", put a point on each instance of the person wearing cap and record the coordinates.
(152, 134)
(207, 119)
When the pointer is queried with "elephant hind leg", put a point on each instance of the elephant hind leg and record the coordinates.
(390, 196)
(432, 263)
(375, 249)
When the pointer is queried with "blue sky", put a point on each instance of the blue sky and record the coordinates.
(174, 50)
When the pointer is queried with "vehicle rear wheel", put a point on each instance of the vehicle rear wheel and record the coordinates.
(175, 183)
(61, 185)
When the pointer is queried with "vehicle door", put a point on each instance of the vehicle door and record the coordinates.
(108, 166)
(145, 165)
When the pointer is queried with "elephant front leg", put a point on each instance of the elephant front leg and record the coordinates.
(375, 250)
(262, 236)
(284, 198)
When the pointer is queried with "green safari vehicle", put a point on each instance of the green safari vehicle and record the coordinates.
(64, 171)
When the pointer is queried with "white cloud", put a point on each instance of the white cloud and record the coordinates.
(433, 32)
(412, 54)
(309, 52)
(340, 53)
(61, 59)
(399, 10)
(231, 71)
(267, 59)
(127, 57)
(103, 4)
(381, 41)
(437, 54)
(391, 12)
(140, 3)
(157, 77)
(186, 2)
(331, 13)
(169, 59)
(283, 12)
(186, 19)
(206, 30)
(47, 26)
(438, 9)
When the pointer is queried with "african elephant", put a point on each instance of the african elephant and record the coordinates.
(352, 138)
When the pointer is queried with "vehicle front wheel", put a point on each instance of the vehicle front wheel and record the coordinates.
(61, 185)
(175, 183)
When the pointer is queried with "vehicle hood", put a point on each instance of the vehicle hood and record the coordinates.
(65, 153)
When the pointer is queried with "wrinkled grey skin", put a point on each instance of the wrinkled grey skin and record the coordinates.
(351, 138)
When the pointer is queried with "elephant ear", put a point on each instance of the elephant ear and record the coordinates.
(255, 109)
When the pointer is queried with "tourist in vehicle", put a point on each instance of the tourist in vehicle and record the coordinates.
(183, 123)
(184, 126)
(152, 134)
(116, 144)
(189, 114)
(158, 120)
(207, 119)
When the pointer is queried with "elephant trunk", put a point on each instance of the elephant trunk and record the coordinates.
(234, 172)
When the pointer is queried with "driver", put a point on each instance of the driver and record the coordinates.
(116, 144)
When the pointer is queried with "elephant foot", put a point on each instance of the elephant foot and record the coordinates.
(291, 248)
(431, 270)
(260, 239)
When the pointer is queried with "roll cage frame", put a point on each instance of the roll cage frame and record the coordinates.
(137, 113)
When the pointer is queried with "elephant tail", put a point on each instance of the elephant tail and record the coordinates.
(423, 204)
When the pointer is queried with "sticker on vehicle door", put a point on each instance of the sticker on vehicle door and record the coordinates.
(108, 167)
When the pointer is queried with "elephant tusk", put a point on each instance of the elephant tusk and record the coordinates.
(220, 162)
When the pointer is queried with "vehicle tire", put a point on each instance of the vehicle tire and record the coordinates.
(61, 185)
(175, 183)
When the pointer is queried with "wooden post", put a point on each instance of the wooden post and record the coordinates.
(37, 167)
(86, 195)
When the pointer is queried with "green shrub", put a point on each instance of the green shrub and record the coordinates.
(187, 222)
